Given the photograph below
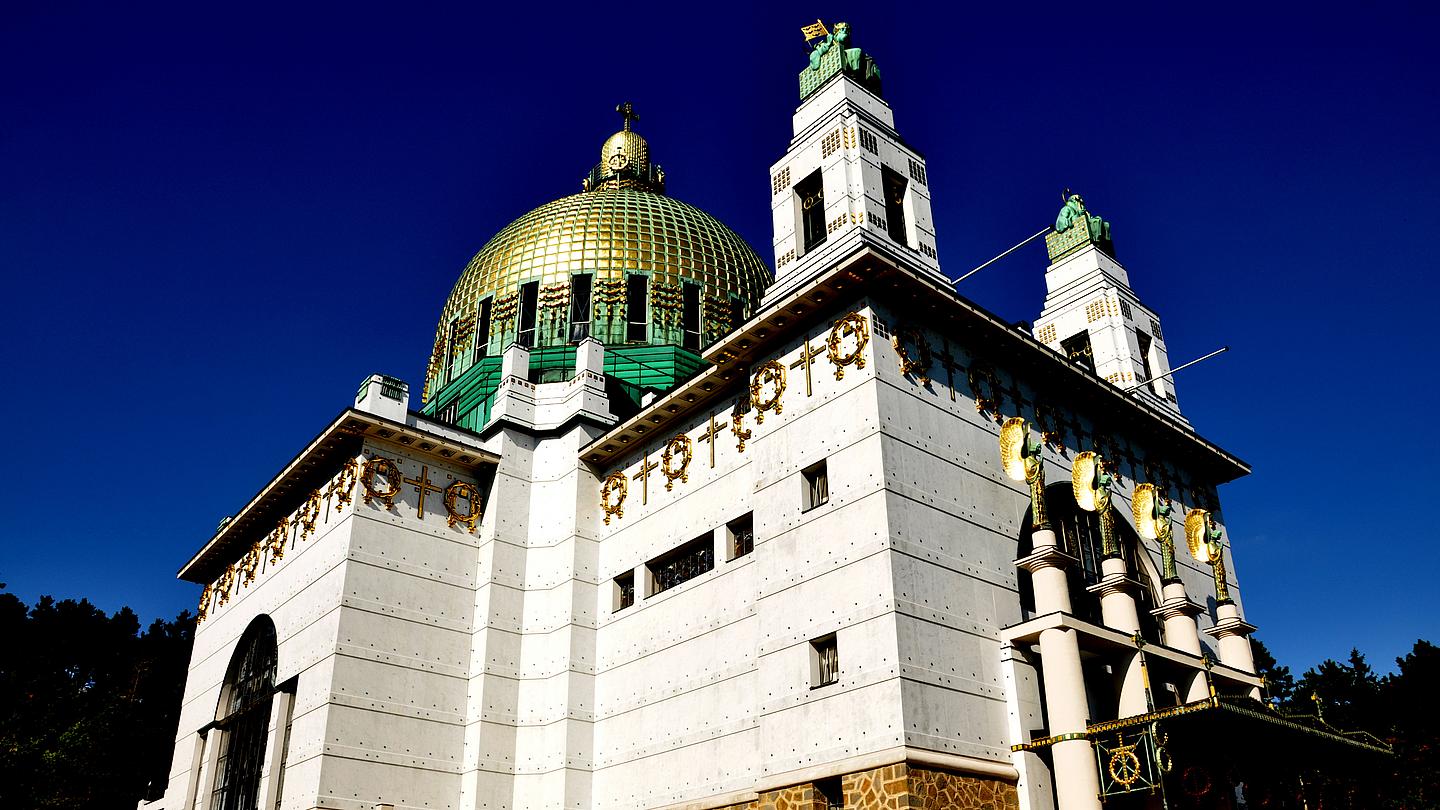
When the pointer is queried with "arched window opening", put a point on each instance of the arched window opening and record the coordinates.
(1078, 533)
(243, 718)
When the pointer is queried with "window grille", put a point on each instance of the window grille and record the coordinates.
(867, 142)
(683, 564)
(917, 172)
(449, 413)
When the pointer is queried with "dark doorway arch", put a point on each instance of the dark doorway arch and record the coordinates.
(243, 718)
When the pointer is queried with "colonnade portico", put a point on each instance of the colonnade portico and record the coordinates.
(1064, 640)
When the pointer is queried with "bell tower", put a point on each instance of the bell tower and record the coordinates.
(848, 179)
(1093, 318)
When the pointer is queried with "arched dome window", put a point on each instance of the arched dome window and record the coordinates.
(243, 718)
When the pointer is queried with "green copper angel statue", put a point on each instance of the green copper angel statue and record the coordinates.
(1074, 213)
(853, 62)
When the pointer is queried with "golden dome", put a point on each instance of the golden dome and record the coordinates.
(700, 277)
(625, 150)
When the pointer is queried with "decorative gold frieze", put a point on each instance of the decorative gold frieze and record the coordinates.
(453, 494)
(675, 460)
(851, 327)
(373, 492)
(913, 349)
(766, 388)
(612, 495)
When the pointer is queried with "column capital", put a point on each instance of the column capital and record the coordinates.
(1046, 557)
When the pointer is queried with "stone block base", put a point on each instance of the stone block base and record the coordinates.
(896, 787)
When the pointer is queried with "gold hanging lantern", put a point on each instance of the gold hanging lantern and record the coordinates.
(1142, 506)
(1085, 480)
(1014, 436)
(1197, 524)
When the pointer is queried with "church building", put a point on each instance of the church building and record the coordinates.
(901, 553)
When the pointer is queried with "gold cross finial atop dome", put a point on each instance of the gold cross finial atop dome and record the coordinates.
(627, 112)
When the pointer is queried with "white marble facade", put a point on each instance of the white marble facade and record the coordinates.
(423, 665)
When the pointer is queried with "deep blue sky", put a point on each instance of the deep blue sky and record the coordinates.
(215, 221)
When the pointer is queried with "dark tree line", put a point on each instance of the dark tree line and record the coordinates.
(88, 703)
(1402, 709)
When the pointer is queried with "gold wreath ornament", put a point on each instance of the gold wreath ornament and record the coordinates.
(391, 471)
(1142, 507)
(852, 325)
(918, 363)
(1014, 436)
(1124, 766)
(1197, 529)
(612, 495)
(1084, 475)
(453, 494)
(770, 373)
(678, 447)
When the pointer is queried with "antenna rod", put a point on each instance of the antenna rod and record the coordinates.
(1003, 255)
(1138, 386)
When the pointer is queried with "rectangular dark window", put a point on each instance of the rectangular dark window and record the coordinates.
(529, 303)
(624, 591)
(824, 662)
(816, 490)
(579, 307)
(683, 564)
(1077, 349)
(832, 793)
(1145, 372)
(450, 349)
(690, 317)
(810, 195)
(636, 306)
(741, 534)
(482, 329)
(895, 186)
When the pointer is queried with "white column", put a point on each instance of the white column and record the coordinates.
(1181, 632)
(1077, 782)
(1233, 633)
(1118, 611)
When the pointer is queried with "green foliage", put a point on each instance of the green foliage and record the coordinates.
(88, 703)
(1402, 709)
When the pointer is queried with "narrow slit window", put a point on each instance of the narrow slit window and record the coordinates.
(580, 287)
(810, 195)
(451, 349)
(636, 307)
(529, 302)
(895, 186)
(482, 329)
(690, 317)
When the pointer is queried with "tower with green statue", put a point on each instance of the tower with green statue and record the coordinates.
(833, 52)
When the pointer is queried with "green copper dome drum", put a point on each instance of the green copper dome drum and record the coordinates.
(652, 278)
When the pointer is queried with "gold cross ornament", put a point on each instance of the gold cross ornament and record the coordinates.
(423, 485)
